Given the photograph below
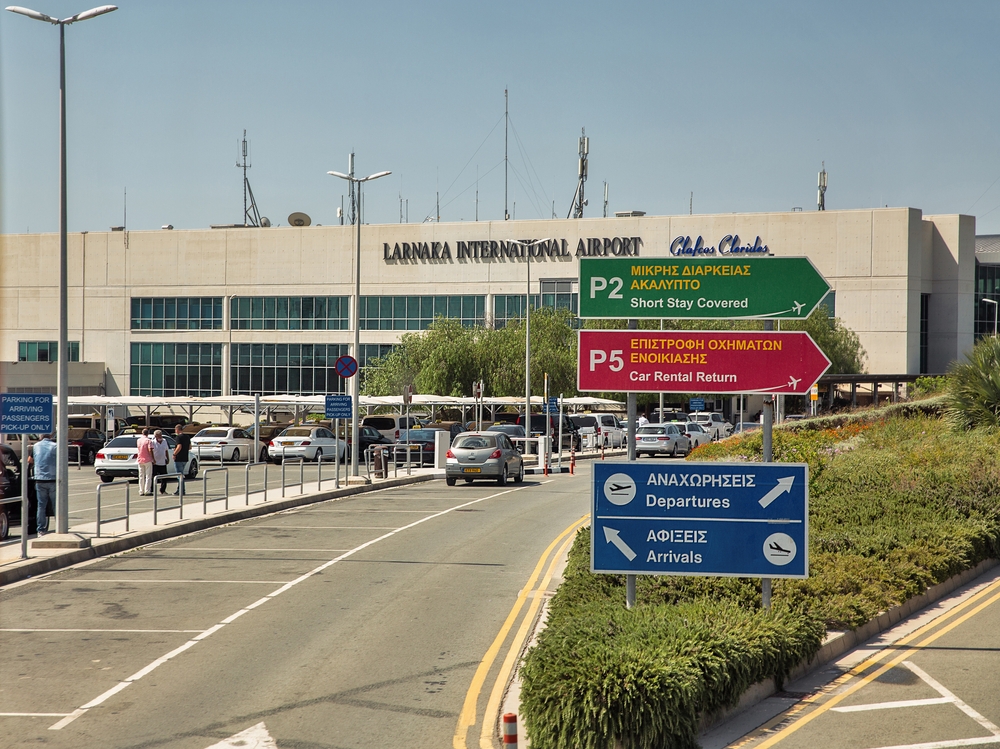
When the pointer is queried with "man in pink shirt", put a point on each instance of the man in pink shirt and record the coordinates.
(145, 459)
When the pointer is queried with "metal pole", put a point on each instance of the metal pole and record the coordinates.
(24, 496)
(62, 423)
(631, 416)
(765, 583)
(356, 392)
(560, 430)
(336, 455)
(256, 427)
(527, 341)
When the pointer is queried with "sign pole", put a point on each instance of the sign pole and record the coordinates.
(24, 496)
(632, 418)
(768, 457)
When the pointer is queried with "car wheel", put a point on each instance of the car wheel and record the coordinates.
(673, 452)
(502, 480)
(91, 455)
(107, 479)
(520, 474)
(450, 481)
(192, 470)
(263, 456)
(318, 455)
(235, 458)
(4, 523)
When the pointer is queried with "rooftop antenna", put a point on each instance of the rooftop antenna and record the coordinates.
(691, 204)
(251, 216)
(576, 210)
(506, 121)
(125, 217)
(477, 192)
(352, 208)
(821, 192)
(605, 199)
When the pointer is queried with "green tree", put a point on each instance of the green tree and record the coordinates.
(973, 392)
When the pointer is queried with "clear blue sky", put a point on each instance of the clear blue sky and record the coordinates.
(738, 102)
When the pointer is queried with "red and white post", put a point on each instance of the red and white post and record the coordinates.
(510, 731)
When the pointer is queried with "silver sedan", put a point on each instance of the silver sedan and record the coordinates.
(483, 455)
(661, 439)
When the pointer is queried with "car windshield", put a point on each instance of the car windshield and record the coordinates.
(651, 430)
(475, 442)
(77, 434)
(419, 435)
(297, 432)
(123, 441)
(507, 429)
(380, 422)
(692, 427)
(213, 433)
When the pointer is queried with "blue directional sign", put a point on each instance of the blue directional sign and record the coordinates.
(25, 413)
(552, 407)
(339, 407)
(724, 519)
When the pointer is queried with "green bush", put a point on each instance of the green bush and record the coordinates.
(898, 502)
(974, 388)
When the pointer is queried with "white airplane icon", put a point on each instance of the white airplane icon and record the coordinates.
(797, 306)
(793, 381)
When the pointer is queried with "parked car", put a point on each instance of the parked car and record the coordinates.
(714, 423)
(571, 435)
(158, 421)
(88, 442)
(483, 455)
(226, 444)
(668, 416)
(746, 426)
(390, 424)
(415, 446)
(661, 439)
(697, 434)
(306, 442)
(610, 431)
(13, 442)
(10, 494)
(454, 428)
(117, 459)
(514, 431)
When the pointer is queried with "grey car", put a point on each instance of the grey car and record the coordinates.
(483, 455)
(661, 439)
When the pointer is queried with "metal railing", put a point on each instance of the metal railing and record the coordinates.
(204, 489)
(302, 465)
(246, 487)
(125, 517)
(161, 480)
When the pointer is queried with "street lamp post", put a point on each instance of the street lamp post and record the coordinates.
(356, 399)
(995, 306)
(62, 421)
(527, 342)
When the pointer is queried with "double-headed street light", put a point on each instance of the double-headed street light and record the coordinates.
(357, 318)
(62, 422)
(527, 340)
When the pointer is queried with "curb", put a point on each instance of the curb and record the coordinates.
(838, 643)
(22, 569)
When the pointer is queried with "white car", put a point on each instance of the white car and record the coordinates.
(226, 444)
(610, 431)
(698, 435)
(308, 443)
(714, 423)
(117, 459)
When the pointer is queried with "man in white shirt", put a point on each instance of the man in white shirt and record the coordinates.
(161, 455)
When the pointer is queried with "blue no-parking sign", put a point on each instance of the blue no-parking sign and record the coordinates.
(25, 413)
(724, 519)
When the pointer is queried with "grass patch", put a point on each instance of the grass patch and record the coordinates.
(898, 502)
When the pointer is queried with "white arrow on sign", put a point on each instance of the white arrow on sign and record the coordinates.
(254, 737)
(784, 486)
(612, 536)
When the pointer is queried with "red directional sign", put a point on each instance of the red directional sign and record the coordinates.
(682, 361)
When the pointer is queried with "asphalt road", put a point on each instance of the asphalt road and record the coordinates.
(933, 686)
(372, 621)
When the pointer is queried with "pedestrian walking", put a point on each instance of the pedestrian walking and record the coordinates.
(182, 451)
(145, 458)
(43, 460)
(161, 455)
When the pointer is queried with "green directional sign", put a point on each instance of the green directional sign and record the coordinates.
(725, 288)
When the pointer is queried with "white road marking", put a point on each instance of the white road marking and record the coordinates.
(946, 744)
(968, 710)
(255, 737)
(328, 527)
(219, 548)
(326, 565)
(185, 582)
(891, 705)
(112, 631)
(33, 715)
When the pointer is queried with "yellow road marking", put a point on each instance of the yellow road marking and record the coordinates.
(862, 667)
(467, 718)
(493, 704)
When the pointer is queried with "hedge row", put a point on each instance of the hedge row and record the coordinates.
(898, 502)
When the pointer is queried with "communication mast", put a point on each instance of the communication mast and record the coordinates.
(251, 216)
(821, 192)
(352, 208)
(576, 210)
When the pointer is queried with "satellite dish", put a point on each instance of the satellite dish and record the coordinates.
(265, 221)
(299, 219)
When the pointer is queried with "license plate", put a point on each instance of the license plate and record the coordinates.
(119, 457)
(649, 439)
(473, 470)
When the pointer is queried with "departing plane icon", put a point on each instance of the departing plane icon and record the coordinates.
(793, 381)
(797, 306)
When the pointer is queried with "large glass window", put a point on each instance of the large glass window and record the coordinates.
(987, 287)
(418, 312)
(177, 313)
(289, 312)
(507, 307)
(559, 294)
(176, 369)
(45, 350)
(286, 368)
(925, 316)
(556, 294)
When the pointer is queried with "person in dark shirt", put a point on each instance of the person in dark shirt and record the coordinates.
(181, 453)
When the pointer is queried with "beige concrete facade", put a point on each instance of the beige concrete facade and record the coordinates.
(879, 262)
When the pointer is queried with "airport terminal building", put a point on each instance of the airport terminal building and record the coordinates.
(245, 310)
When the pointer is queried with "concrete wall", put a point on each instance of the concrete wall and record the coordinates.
(878, 261)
